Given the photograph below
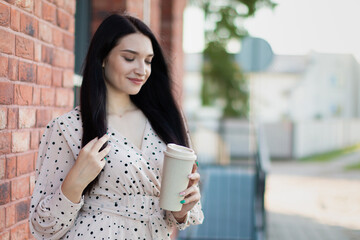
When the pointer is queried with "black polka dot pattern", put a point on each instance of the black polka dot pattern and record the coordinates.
(125, 202)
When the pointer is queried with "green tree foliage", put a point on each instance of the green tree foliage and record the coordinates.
(224, 82)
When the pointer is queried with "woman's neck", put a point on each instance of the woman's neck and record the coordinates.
(119, 103)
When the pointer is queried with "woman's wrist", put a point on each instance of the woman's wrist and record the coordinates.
(180, 218)
(72, 190)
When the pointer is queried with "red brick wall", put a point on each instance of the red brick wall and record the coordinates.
(36, 69)
(171, 36)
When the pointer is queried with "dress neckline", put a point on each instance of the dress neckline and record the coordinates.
(130, 143)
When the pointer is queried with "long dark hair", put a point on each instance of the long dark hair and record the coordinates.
(155, 98)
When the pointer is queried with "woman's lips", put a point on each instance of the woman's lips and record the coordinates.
(136, 81)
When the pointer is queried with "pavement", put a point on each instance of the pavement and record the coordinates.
(313, 200)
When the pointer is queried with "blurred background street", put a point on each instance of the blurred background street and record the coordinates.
(313, 200)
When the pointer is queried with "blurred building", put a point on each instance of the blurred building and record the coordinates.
(300, 88)
(308, 104)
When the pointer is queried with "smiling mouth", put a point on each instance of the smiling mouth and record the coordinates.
(136, 81)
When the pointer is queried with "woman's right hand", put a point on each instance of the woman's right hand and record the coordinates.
(87, 166)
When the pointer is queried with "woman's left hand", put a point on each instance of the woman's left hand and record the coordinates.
(192, 195)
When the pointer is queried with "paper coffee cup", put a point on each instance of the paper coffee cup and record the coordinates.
(178, 163)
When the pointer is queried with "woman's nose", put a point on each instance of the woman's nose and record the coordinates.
(140, 69)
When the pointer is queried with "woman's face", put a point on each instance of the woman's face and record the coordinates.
(128, 65)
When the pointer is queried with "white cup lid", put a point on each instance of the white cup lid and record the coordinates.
(177, 151)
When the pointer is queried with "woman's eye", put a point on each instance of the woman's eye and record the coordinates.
(148, 62)
(129, 59)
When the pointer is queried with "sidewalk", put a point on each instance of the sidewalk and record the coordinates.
(313, 201)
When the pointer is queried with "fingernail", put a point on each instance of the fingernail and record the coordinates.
(182, 201)
(182, 193)
(105, 158)
(197, 163)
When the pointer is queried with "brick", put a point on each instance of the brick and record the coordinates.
(27, 72)
(22, 210)
(70, 6)
(7, 43)
(27, 5)
(4, 15)
(71, 98)
(37, 52)
(4, 193)
(47, 54)
(28, 25)
(10, 1)
(24, 48)
(2, 170)
(6, 93)
(38, 8)
(20, 188)
(72, 26)
(47, 96)
(5, 140)
(44, 75)
(20, 141)
(57, 77)
(61, 97)
(10, 167)
(2, 219)
(36, 96)
(23, 94)
(63, 19)
(49, 12)
(20, 232)
(3, 66)
(60, 58)
(59, 3)
(13, 69)
(68, 42)
(43, 117)
(57, 37)
(32, 181)
(34, 140)
(27, 117)
(68, 79)
(15, 19)
(13, 118)
(3, 118)
(45, 32)
(10, 215)
(25, 164)
(5, 235)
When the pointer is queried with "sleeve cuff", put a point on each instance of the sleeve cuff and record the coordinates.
(62, 208)
(180, 226)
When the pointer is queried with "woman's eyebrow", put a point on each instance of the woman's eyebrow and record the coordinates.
(134, 52)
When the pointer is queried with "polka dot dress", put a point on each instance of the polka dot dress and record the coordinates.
(124, 204)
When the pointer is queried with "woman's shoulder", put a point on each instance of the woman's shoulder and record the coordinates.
(74, 115)
(70, 118)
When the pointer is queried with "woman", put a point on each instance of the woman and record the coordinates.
(99, 166)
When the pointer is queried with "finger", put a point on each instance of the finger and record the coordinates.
(194, 178)
(104, 152)
(97, 146)
(90, 144)
(191, 190)
(195, 167)
(192, 198)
